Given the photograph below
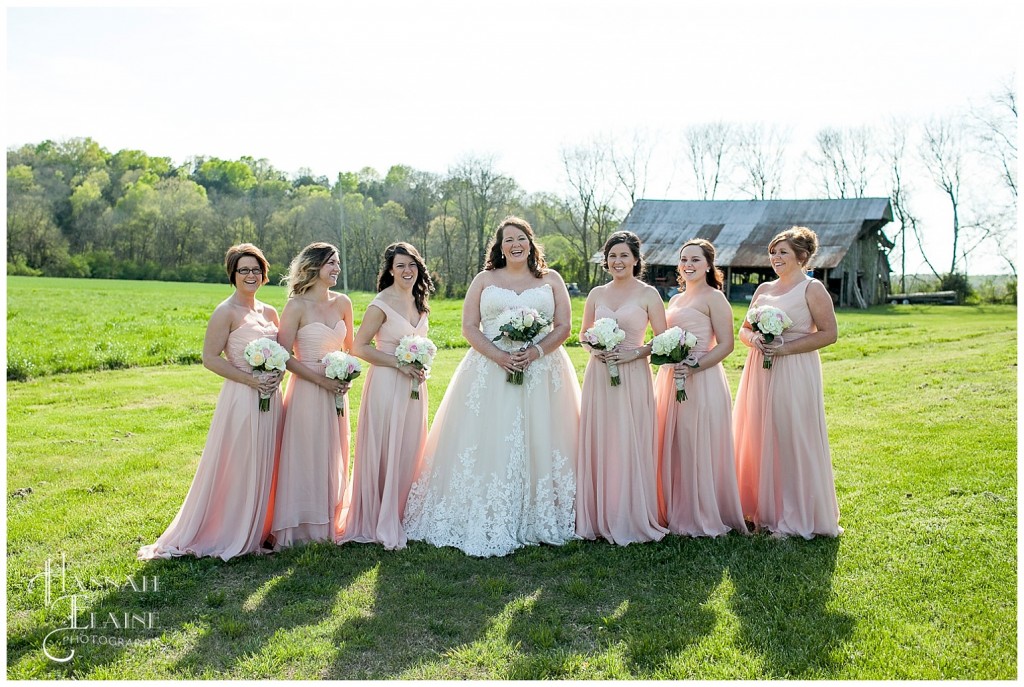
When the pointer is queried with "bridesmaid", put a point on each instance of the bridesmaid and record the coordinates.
(782, 456)
(315, 445)
(392, 428)
(227, 511)
(616, 488)
(697, 492)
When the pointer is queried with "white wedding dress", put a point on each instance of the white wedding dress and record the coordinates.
(498, 469)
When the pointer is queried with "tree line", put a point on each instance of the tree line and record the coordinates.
(75, 209)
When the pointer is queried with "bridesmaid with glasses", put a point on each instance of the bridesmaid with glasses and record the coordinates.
(228, 509)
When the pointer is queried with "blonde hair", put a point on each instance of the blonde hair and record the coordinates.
(305, 267)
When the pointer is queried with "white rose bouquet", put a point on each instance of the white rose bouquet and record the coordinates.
(344, 368)
(418, 351)
(770, 322)
(673, 346)
(605, 335)
(265, 355)
(520, 325)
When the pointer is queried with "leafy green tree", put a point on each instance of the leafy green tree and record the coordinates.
(224, 176)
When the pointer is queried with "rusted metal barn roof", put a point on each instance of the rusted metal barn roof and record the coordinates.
(741, 229)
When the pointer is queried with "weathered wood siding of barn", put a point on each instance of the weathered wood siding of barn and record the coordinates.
(852, 248)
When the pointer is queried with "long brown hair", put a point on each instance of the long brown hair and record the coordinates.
(423, 286)
(714, 276)
(496, 259)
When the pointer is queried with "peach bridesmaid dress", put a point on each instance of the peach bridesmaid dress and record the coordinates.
(783, 464)
(313, 467)
(697, 489)
(227, 511)
(616, 488)
(390, 436)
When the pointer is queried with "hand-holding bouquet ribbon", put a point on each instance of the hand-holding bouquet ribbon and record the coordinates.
(419, 352)
(520, 325)
(343, 367)
(673, 346)
(605, 335)
(769, 322)
(265, 355)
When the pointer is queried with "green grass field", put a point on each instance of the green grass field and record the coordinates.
(104, 436)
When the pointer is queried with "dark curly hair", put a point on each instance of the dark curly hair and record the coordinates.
(423, 287)
(496, 259)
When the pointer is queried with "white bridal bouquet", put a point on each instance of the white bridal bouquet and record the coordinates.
(673, 346)
(605, 335)
(520, 325)
(418, 351)
(265, 355)
(770, 322)
(344, 368)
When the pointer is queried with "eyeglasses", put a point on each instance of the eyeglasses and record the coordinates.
(246, 271)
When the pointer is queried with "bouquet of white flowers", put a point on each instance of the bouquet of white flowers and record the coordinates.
(673, 346)
(418, 351)
(520, 325)
(605, 335)
(344, 368)
(265, 355)
(770, 322)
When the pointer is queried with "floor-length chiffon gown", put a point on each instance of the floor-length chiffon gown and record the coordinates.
(783, 463)
(228, 507)
(497, 472)
(313, 467)
(698, 494)
(390, 437)
(616, 482)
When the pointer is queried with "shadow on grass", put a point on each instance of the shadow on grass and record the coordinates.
(783, 601)
(587, 609)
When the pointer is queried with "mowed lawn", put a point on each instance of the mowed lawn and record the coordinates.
(104, 436)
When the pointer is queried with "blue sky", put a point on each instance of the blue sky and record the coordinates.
(341, 86)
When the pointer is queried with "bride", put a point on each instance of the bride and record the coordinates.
(498, 465)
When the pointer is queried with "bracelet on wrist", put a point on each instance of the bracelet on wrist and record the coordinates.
(540, 351)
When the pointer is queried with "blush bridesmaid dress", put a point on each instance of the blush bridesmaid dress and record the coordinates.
(228, 509)
(390, 437)
(313, 467)
(698, 495)
(616, 488)
(783, 463)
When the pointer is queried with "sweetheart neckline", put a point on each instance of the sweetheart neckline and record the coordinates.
(310, 324)
(518, 293)
(620, 307)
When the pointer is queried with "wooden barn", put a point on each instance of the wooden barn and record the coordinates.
(852, 258)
